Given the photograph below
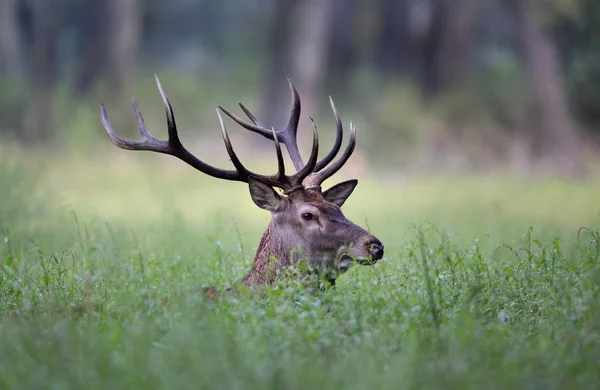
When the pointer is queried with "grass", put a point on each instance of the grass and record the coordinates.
(486, 283)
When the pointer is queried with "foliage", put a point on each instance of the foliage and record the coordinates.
(472, 299)
(577, 35)
(465, 61)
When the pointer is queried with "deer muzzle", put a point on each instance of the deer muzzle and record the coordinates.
(366, 253)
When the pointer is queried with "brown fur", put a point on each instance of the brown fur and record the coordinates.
(319, 240)
(270, 255)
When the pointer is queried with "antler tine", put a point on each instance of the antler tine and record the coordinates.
(314, 180)
(312, 160)
(172, 128)
(256, 121)
(280, 163)
(287, 136)
(251, 116)
(257, 128)
(292, 126)
(143, 129)
(277, 180)
(234, 158)
(114, 139)
(339, 135)
(148, 142)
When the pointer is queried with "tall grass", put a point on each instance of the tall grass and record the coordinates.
(485, 284)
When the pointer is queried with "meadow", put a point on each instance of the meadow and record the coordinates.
(488, 282)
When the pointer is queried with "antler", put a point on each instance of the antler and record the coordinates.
(288, 136)
(315, 179)
(174, 147)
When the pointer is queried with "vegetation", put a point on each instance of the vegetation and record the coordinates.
(513, 83)
(489, 280)
(485, 284)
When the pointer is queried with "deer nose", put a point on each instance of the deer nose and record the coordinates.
(375, 248)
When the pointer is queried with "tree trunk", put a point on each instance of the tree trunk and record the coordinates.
(555, 135)
(275, 99)
(342, 51)
(430, 49)
(124, 33)
(45, 23)
(12, 73)
(92, 48)
(394, 44)
(11, 56)
(456, 43)
(300, 37)
(446, 48)
(312, 30)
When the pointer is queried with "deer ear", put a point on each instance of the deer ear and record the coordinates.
(264, 196)
(340, 192)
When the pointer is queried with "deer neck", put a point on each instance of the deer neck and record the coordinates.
(270, 255)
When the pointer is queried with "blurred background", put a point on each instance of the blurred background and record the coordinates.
(433, 85)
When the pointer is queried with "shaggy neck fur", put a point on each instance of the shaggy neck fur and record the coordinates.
(270, 256)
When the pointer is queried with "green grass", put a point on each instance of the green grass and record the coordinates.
(486, 283)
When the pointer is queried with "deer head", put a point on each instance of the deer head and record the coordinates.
(307, 224)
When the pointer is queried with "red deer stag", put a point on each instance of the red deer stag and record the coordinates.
(306, 224)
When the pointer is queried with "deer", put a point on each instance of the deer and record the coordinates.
(307, 224)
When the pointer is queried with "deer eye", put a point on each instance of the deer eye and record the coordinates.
(307, 216)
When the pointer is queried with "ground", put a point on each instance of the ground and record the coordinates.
(487, 282)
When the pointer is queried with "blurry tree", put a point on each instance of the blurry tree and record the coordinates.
(446, 50)
(430, 48)
(299, 37)
(554, 133)
(46, 25)
(482, 47)
(456, 51)
(576, 31)
(11, 54)
(123, 32)
(343, 55)
(394, 39)
(274, 101)
(365, 27)
(312, 29)
(91, 44)
(12, 72)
